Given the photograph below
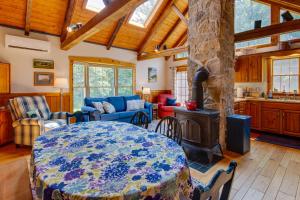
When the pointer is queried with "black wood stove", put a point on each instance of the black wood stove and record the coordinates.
(200, 128)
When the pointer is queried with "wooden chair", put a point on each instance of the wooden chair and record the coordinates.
(212, 190)
(14, 179)
(141, 119)
(79, 116)
(170, 127)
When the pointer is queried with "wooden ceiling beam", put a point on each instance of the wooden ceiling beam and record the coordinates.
(115, 10)
(163, 53)
(164, 40)
(293, 5)
(68, 19)
(274, 29)
(115, 32)
(28, 16)
(155, 27)
(180, 15)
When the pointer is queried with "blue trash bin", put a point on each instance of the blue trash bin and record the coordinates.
(238, 133)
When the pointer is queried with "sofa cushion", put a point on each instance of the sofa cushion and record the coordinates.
(99, 106)
(133, 105)
(89, 101)
(108, 107)
(118, 102)
(110, 117)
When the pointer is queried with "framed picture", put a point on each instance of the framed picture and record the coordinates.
(152, 75)
(43, 79)
(43, 64)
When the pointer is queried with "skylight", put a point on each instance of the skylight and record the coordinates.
(95, 5)
(142, 14)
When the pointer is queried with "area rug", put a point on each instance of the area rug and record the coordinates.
(285, 141)
(202, 164)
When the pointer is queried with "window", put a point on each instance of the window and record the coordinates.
(292, 35)
(246, 13)
(181, 56)
(181, 85)
(95, 5)
(143, 14)
(100, 80)
(285, 75)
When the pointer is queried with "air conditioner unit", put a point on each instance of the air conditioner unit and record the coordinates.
(17, 42)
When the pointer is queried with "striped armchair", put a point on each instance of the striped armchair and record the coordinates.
(26, 129)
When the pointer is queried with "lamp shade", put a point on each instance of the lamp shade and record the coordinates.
(146, 91)
(61, 83)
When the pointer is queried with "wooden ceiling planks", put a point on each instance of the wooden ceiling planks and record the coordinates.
(13, 13)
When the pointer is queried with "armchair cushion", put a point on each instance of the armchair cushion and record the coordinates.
(162, 98)
(167, 108)
(28, 122)
(171, 101)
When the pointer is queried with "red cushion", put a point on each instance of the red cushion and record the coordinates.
(167, 108)
(162, 98)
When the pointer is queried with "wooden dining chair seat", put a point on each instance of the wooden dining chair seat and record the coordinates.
(14, 180)
(170, 127)
(140, 119)
(212, 191)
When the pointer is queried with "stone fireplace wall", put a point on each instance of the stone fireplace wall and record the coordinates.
(211, 44)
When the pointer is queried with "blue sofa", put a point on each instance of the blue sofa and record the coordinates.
(120, 104)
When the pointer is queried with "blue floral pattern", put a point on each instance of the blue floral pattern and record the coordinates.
(108, 160)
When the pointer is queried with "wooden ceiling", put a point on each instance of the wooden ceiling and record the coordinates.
(52, 17)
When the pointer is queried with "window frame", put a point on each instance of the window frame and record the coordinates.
(150, 18)
(182, 68)
(270, 75)
(115, 64)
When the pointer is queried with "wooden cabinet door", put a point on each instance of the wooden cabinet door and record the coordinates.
(6, 131)
(291, 122)
(242, 69)
(255, 69)
(270, 120)
(254, 111)
(4, 78)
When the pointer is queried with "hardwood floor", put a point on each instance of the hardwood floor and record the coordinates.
(267, 172)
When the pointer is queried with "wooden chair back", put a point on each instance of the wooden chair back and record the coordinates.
(79, 117)
(170, 127)
(221, 179)
(140, 119)
(14, 179)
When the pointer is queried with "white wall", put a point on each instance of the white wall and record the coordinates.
(22, 60)
(171, 65)
(142, 72)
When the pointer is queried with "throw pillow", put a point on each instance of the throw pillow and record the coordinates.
(99, 106)
(33, 114)
(171, 102)
(135, 105)
(108, 107)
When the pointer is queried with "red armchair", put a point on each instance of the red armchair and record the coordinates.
(163, 109)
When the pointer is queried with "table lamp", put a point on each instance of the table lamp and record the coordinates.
(146, 93)
(61, 83)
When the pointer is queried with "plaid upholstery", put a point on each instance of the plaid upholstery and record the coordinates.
(25, 104)
(27, 129)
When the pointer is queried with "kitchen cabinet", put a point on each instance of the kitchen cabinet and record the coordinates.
(4, 78)
(270, 120)
(291, 122)
(254, 111)
(248, 69)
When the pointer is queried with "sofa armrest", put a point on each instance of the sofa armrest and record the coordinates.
(88, 109)
(149, 107)
(58, 115)
(28, 122)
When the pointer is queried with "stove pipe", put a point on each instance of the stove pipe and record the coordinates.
(201, 75)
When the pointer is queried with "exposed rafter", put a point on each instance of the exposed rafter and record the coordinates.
(68, 19)
(115, 10)
(164, 40)
(274, 29)
(275, 19)
(180, 15)
(28, 16)
(115, 32)
(163, 53)
(293, 5)
(166, 11)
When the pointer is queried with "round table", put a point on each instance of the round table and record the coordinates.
(108, 160)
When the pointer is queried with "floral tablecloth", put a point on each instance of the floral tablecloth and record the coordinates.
(108, 160)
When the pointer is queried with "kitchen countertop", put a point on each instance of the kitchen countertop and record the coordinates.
(236, 100)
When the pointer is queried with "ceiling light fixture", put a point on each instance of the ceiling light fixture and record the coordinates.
(74, 27)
